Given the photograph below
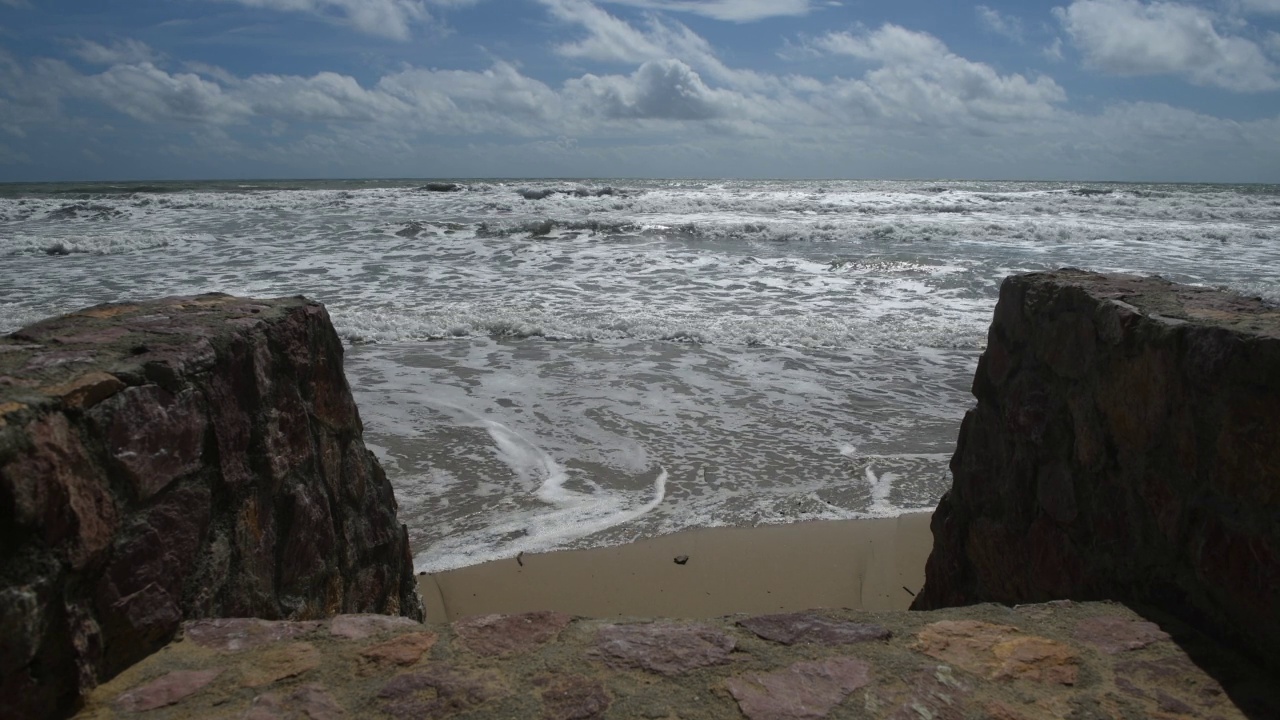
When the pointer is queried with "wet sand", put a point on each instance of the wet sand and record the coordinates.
(870, 564)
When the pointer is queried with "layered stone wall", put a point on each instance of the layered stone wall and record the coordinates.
(1125, 445)
(183, 458)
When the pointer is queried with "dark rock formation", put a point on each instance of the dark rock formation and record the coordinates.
(1125, 445)
(183, 458)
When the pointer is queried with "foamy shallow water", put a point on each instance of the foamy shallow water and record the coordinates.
(624, 359)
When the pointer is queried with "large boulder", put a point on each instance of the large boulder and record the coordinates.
(183, 458)
(1125, 445)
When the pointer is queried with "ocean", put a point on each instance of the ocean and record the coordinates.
(545, 364)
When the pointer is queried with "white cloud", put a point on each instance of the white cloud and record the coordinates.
(611, 39)
(921, 80)
(497, 100)
(731, 10)
(147, 93)
(127, 51)
(1126, 37)
(1053, 50)
(999, 23)
(905, 105)
(387, 18)
(324, 97)
(659, 89)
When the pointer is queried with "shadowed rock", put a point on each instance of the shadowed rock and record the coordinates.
(1126, 446)
(1112, 635)
(177, 459)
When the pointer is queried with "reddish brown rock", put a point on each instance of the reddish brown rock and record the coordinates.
(438, 691)
(57, 496)
(179, 459)
(808, 627)
(935, 693)
(401, 650)
(152, 460)
(1126, 446)
(665, 648)
(236, 634)
(359, 627)
(998, 651)
(806, 689)
(1112, 635)
(1172, 687)
(495, 635)
(574, 697)
(168, 689)
(86, 390)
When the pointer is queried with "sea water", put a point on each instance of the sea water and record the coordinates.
(548, 364)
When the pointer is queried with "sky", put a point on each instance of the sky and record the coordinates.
(1058, 90)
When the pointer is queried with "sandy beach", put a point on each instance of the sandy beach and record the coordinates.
(873, 564)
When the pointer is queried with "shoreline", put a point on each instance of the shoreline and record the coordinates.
(866, 564)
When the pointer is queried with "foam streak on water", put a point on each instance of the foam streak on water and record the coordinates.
(546, 364)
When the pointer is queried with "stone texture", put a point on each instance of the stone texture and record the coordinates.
(438, 691)
(359, 627)
(505, 634)
(1125, 445)
(807, 689)
(401, 650)
(1000, 665)
(665, 648)
(1171, 687)
(279, 662)
(236, 634)
(309, 702)
(170, 688)
(1112, 635)
(792, 628)
(999, 651)
(936, 694)
(177, 459)
(575, 697)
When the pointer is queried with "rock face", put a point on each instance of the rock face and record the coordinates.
(983, 661)
(1125, 445)
(183, 458)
